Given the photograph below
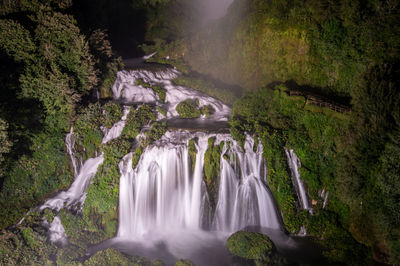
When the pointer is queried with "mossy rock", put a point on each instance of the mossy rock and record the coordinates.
(110, 257)
(184, 263)
(188, 109)
(249, 245)
(192, 152)
(212, 169)
(157, 262)
(207, 110)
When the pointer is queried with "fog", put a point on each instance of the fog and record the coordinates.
(214, 9)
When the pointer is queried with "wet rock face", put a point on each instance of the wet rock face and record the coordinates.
(250, 245)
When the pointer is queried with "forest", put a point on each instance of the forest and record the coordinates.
(56, 55)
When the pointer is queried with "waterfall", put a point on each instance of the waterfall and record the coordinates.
(116, 130)
(56, 231)
(163, 194)
(70, 143)
(294, 165)
(244, 199)
(75, 195)
(125, 89)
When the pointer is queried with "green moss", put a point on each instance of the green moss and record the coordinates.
(114, 257)
(49, 215)
(157, 262)
(137, 119)
(111, 115)
(162, 111)
(188, 109)
(192, 152)
(212, 169)
(136, 157)
(207, 110)
(28, 238)
(184, 263)
(26, 246)
(250, 245)
(87, 133)
(157, 130)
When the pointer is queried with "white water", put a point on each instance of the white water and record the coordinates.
(244, 199)
(125, 89)
(116, 130)
(70, 143)
(75, 195)
(324, 195)
(294, 165)
(56, 232)
(162, 195)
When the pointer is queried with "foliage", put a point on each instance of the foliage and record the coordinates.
(87, 133)
(317, 43)
(46, 69)
(106, 64)
(184, 263)
(192, 152)
(100, 210)
(250, 245)
(112, 114)
(207, 110)
(137, 119)
(114, 257)
(282, 121)
(5, 143)
(212, 169)
(25, 246)
(188, 109)
(162, 111)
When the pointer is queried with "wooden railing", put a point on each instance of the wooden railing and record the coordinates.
(321, 102)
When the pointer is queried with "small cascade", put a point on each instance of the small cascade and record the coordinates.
(125, 89)
(324, 195)
(70, 143)
(163, 195)
(294, 165)
(244, 199)
(56, 233)
(75, 195)
(116, 130)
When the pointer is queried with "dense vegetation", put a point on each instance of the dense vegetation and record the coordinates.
(53, 55)
(47, 68)
(347, 51)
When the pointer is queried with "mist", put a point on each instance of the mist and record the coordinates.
(214, 9)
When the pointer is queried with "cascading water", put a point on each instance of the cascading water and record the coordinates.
(244, 199)
(125, 89)
(75, 196)
(116, 130)
(294, 165)
(70, 143)
(162, 193)
(163, 200)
